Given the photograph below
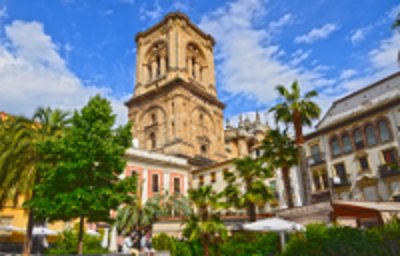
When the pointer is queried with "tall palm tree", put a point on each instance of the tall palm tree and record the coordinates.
(19, 156)
(280, 152)
(205, 225)
(298, 111)
(251, 174)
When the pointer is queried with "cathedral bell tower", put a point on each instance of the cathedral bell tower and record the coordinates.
(175, 109)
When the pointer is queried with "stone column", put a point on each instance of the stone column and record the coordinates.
(154, 70)
(321, 181)
(189, 66)
(146, 74)
(163, 63)
(197, 71)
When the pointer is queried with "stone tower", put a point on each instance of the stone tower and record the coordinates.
(175, 108)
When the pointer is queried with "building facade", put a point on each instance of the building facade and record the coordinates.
(353, 151)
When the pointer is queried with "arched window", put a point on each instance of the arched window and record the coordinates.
(335, 147)
(153, 140)
(370, 134)
(203, 149)
(153, 118)
(358, 138)
(384, 131)
(347, 146)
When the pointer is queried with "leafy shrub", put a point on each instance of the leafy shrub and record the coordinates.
(163, 242)
(321, 240)
(68, 241)
(243, 244)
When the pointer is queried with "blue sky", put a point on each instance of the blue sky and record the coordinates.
(61, 52)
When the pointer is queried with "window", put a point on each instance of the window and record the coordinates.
(316, 181)
(153, 141)
(158, 60)
(363, 161)
(370, 133)
(193, 71)
(315, 153)
(201, 117)
(389, 156)
(203, 149)
(341, 172)
(384, 132)
(153, 118)
(213, 177)
(154, 183)
(335, 147)
(177, 185)
(347, 146)
(358, 139)
(201, 180)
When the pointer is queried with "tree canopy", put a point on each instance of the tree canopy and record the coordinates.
(80, 169)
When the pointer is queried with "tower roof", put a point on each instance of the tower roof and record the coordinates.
(173, 16)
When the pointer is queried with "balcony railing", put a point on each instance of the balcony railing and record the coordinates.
(316, 159)
(388, 170)
(320, 196)
(340, 182)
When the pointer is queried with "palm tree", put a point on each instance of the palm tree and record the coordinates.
(19, 157)
(298, 111)
(251, 174)
(281, 152)
(134, 215)
(205, 225)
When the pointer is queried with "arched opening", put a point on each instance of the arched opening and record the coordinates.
(203, 150)
(156, 61)
(153, 118)
(370, 134)
(384, 131)
(195, 61)
(153, 140)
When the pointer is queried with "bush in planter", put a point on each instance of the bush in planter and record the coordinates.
(163, 242)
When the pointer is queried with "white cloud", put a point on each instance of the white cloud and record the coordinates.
(285, 20)
(316, 34)
(249, 63)
(359, 35)
(151, 13)
(347, 73)
(33, 74)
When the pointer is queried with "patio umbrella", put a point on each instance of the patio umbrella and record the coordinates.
(12, 228)
(42, 231)
(274, 225)
(92, 232)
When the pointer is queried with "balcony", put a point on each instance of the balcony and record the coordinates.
(320, 196)
(388, 170)
(316, 159)
(340, 182)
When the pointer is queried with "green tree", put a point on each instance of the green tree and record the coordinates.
(81, 169)
(280, 152)
(19, 157)
(250, 174)
(205, 225)
(298, 111)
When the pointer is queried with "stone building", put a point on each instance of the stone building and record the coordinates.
(175, 109)
(351, 151)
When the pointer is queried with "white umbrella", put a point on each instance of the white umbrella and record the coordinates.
(92, 232)
(113, 242)
(11, 228)
(274, 225)
(42, 231)
(104, 242)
